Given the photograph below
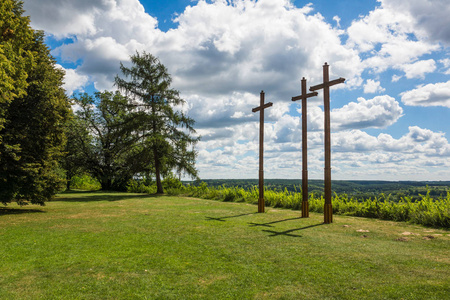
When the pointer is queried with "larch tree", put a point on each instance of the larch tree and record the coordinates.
(168, 130)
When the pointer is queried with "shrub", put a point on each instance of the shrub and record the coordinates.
(426, 211)
(85, 182)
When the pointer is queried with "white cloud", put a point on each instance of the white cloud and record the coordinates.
(396, 78)
(122, 19)
(73, 81)
(353, 141)
(418, 69)
(429, 17)
(338, 21)
(104, 33)
(222, 111)
(379, 112)
(446, 63)
(437, 94)
(389, 43)
(210, 52)
(222, 53)
(372, 86)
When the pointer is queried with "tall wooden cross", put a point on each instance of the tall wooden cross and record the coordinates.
(328, 210)
(303, 97)
(261, 108)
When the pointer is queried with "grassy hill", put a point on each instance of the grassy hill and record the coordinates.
(131, 246)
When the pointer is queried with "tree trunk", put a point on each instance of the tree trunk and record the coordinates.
(68, 184)
(106, 183)
(159, 188)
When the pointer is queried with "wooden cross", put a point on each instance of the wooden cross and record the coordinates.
(303, 97)
(328, 210)
(261, 108)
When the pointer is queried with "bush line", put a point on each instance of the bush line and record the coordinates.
(426, 211)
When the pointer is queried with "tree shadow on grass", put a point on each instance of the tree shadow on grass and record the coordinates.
(288, 232)
(18, 211)
(221, 219)
(95, 196)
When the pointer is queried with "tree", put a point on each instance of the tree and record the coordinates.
(15, 37)
(33, 114)
(74, 161)
(147, 83)
(106, 131)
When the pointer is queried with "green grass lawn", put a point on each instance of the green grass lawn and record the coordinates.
(93, 245)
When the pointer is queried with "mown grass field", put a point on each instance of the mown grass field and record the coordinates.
(94, 245)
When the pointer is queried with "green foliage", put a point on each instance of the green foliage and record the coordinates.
(74, 161)
(107, 139)
(16, 57)
(84, 182)
(33, 111)
(167, 131)
(171, 184)
(427, 211)
(359, 189)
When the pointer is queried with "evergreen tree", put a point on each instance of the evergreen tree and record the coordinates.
(15, 56)
(32, 114)
(147, 83)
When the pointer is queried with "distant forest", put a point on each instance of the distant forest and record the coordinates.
(360, 189)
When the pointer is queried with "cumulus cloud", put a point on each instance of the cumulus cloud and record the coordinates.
(429, 17)
(437, 94)
(372, 86)
(73, 81)
(389, 43)
(379, 112)
(213, 54)
(222, 53)
(103, 32)
(123, 19)
(446, 63)
(418, 69)
(209, 52)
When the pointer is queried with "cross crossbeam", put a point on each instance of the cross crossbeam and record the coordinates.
(261, 108)
(328, 210)
(303, 97)
(327, 84)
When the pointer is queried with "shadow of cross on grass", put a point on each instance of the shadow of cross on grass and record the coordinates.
(288, 232)
(268, 223)
(221, 219)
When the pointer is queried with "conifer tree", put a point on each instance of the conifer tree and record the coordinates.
(171, 145)
(33, 111)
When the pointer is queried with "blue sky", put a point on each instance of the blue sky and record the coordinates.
(390, 120)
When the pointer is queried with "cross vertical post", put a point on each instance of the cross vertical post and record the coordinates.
(328, 209)
(261, 108)
(303, 97)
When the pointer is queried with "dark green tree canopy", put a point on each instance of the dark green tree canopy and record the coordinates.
(33, 112)
(168, 131)
(16, 38)
(107, 132)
